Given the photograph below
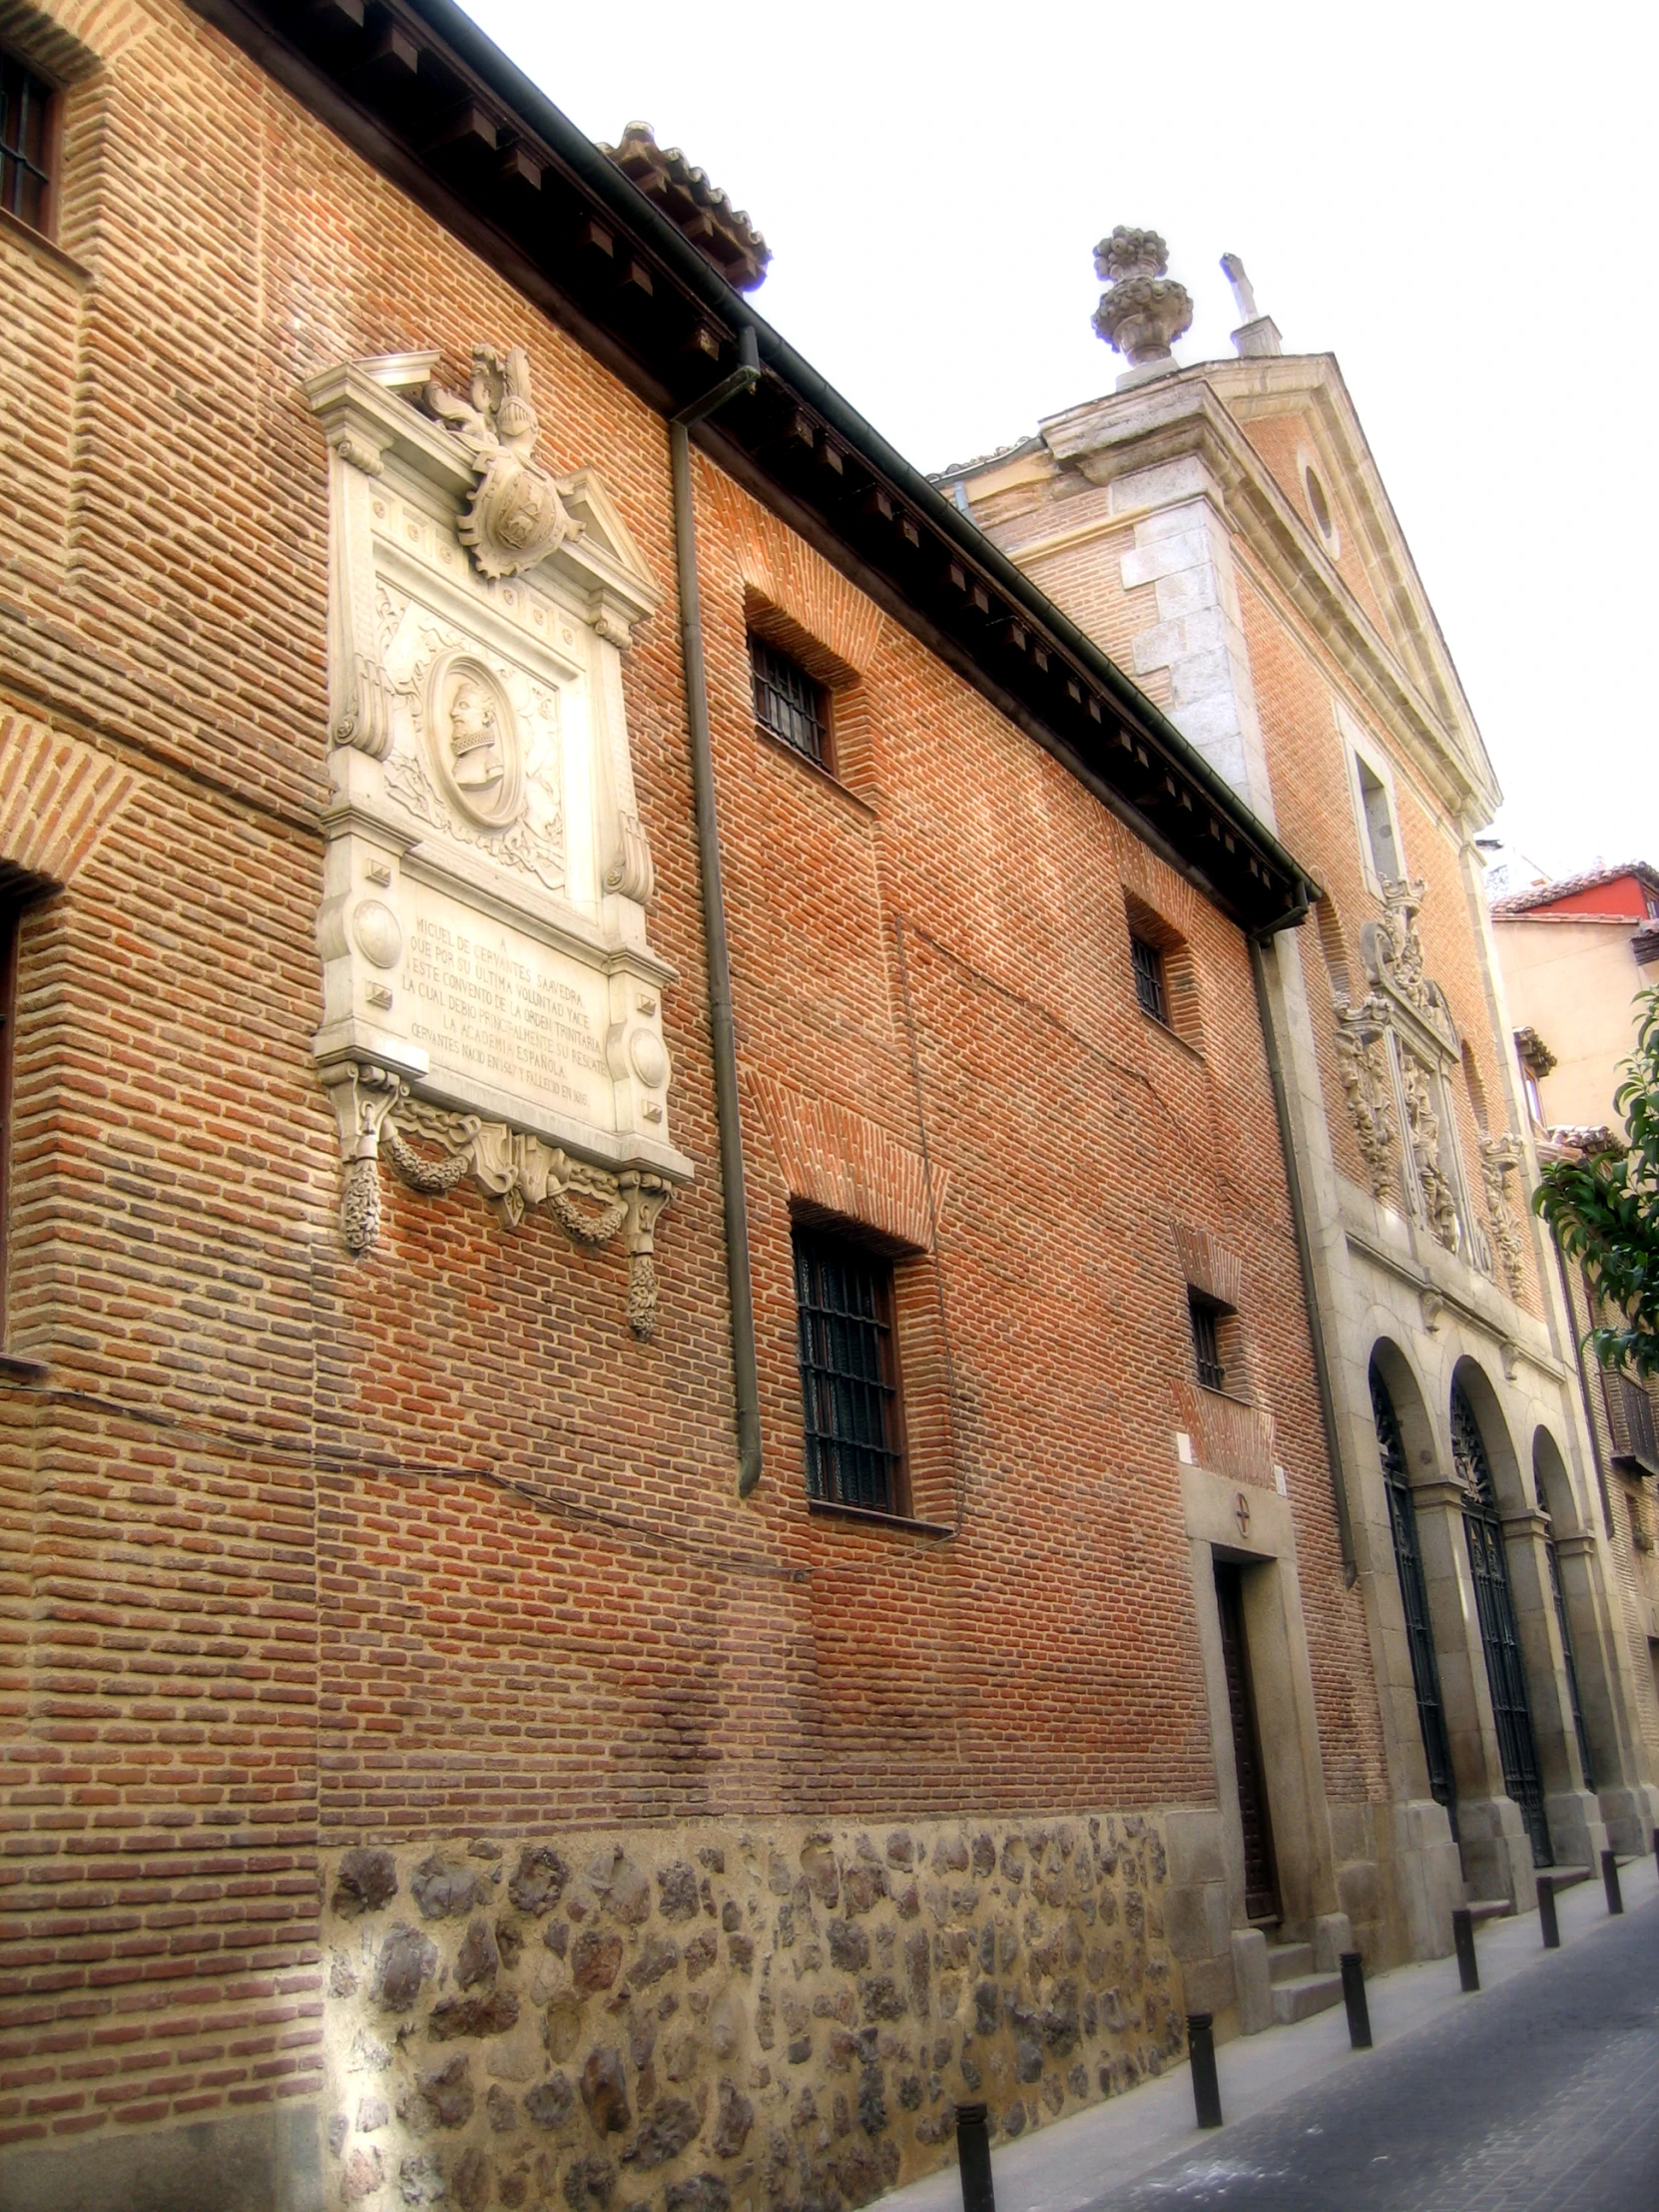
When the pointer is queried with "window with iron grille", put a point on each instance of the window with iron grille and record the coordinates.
(25, 143)
(1204, 1315)
(1638, 1424)
(849, 1373)
(1148, 979)
(788, 702)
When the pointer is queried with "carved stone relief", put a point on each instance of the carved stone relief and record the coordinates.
(492, 1009)
(1393, 953)
(1422, 1136)
(1500, 1158)
(1362, 1058)
(515, 517)
(1399, 1053)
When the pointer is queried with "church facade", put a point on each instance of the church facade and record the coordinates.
(671, 1493)
(1223, 530)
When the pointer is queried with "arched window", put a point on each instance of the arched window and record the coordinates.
(1413, 1595)
(1505, 1670)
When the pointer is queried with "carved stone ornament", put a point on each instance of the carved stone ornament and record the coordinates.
(492, 1008)
(1393, 953)
(517, 517)
(1145, 310)
(1500, 1158)
(517, 1171)
(1361, 1061)
(1423, 1135)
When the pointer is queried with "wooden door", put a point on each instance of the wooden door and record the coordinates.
(1260, 1876)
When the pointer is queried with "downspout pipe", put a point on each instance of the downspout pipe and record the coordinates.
(1584, 1383)
(1304, 1247)
(722, 1034)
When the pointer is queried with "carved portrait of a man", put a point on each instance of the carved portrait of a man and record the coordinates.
(474, 740)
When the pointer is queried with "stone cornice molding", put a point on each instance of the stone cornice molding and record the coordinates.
(1182, 418)
(1497, 1317)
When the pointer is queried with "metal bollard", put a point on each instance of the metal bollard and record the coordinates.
(1610, 1881)
(1463, 1934)
(1200, 2047)
(1546, 1913)
(974, 2155)
(1354, 1997)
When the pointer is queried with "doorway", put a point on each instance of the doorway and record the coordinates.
(1260, 1871)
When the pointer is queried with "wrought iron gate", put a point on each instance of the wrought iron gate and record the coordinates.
(1413, 1596)
(1505, 1670)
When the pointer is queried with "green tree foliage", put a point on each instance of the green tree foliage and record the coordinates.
(1604, 1212)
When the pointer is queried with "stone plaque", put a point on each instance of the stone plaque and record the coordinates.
(489, 985)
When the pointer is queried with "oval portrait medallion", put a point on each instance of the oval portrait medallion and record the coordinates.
(472, 740)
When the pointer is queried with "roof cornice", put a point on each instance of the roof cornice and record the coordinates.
(1183, 417)
(419, 91)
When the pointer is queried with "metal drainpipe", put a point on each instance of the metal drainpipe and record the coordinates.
(1584, 1383)
(745, 1377)
(1304, 1258)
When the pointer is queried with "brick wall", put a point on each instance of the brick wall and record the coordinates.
(312, 1553)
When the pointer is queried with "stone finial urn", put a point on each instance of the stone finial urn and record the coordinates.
(1145, 309)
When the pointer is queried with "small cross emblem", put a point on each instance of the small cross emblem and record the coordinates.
(1240, 1513)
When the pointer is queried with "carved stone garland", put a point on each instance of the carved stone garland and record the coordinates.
(516, 1172)
(1500, 1158)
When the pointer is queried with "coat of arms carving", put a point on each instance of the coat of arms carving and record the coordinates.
(517, 517)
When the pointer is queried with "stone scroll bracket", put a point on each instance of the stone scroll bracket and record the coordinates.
(516, 1172)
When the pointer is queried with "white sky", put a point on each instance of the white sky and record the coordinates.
(1456, 200)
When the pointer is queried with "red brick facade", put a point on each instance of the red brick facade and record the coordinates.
(307, 1552)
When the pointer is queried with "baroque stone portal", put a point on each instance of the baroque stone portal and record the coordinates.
(492, 1008)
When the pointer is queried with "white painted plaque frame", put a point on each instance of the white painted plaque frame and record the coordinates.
(487, 976)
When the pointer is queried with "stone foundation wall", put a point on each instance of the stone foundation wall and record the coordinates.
(695, 2018)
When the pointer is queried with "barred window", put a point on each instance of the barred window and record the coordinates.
(788, 702)
(1205, 1316)
(25, 143)
(1148, 979)
(849, 1373)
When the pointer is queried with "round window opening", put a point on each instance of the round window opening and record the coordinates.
(1321, 506)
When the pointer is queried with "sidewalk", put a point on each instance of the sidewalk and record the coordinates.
(1075, 2164)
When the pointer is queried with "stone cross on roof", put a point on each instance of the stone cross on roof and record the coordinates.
(1257, 338)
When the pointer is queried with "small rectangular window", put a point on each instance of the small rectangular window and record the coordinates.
(10, 918)
(1380, 823)
(849, 1373)
(25, 143)
(788, 702)
(1204, 1315)
(1148, 979)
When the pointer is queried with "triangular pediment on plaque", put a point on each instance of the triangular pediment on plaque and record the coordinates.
(492, 1006)
(606, 546)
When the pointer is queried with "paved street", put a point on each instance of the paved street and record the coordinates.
(1543, 2092)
